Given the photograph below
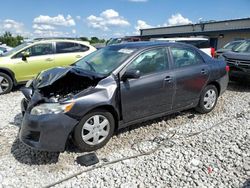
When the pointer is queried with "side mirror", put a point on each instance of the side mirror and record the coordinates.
(131, 74)
(25, 55)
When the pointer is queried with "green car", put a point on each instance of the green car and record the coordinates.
(25, 61)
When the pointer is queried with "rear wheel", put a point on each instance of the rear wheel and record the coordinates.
(94, 130)
(6, 83)
(208, 99)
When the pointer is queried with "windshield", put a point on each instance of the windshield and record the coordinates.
(114, 41)
(16, 49)
(231, 45)
(105, 60)
(244, 47)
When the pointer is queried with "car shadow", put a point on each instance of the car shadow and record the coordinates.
(17, 121)
(18, 87)
(238, 86)
(246, 184)
(26, 155)
(191, 114)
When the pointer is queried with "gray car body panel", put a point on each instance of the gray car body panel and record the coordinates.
(138, 100)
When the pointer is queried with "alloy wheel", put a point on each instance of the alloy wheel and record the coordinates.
(4, 84)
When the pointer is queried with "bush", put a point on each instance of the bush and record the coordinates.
(10, 40)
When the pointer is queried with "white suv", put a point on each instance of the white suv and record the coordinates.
(201, 43)
(4, 48)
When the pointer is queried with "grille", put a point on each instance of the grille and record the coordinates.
(245, 64)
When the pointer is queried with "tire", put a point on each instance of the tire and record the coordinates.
(208, 99)
(87, 135)
(6, 83)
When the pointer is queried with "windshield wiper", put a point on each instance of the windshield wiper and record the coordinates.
(91, 66)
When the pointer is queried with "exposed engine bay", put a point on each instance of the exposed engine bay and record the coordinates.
(63, 83)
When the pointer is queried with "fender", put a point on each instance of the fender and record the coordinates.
(10, 73)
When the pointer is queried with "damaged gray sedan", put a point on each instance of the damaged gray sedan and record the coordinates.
(115, 87)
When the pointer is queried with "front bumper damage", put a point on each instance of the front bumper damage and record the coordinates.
(48, 132)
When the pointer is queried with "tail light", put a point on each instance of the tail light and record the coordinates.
(227, 68)
(213, 52)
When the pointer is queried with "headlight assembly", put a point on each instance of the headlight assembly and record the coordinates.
(28, 84)
(51, 108)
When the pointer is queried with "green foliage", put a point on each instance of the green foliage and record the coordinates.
(93, 40)
(10, 40)
(84, 38)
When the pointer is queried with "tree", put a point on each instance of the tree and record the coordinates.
(95, 40)
(84, 38)
(10, 40)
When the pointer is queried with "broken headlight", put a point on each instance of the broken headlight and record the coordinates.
(51, 108)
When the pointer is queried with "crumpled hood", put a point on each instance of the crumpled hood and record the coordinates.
(50, 76)
(64, 81)
(236, 55)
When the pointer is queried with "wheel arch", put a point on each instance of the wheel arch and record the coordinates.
(9, 73)
(217, 85)
(110, 109)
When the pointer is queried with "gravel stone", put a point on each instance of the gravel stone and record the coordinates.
(217, 157)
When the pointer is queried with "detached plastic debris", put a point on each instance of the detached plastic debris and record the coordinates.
(87, 160)
(191, 116)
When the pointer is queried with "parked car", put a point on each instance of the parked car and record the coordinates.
(228, 47)
(25, 61)
(202, 43)
(4, 48)
(115, 87)
(113, 41)
(239, 62)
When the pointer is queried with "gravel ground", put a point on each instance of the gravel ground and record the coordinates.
(219, 156)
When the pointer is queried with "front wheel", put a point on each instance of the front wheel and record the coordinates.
(208, 99)
(94, 130)
(6, 83)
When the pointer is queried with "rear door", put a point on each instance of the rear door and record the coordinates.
(69, 52)
(152, 93)
(191, 75)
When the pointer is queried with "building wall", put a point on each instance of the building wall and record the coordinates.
(232, 36)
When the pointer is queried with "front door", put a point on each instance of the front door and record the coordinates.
(40, 58)
(152, 93)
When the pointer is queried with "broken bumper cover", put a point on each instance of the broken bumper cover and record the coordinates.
(48, 132)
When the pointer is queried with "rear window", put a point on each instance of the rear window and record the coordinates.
(70, 47)
(197, 43)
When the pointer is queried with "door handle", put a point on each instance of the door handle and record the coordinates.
(203, 71)
(78, 56)
(49, 59)
(168, 79)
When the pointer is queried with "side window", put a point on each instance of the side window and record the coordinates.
(70, 47)
(83, 48)
(37, 50)
(185, 57)
(151, 61)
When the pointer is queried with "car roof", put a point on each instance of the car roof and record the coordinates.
(182, 39)
(59, 40)
(148, 44)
